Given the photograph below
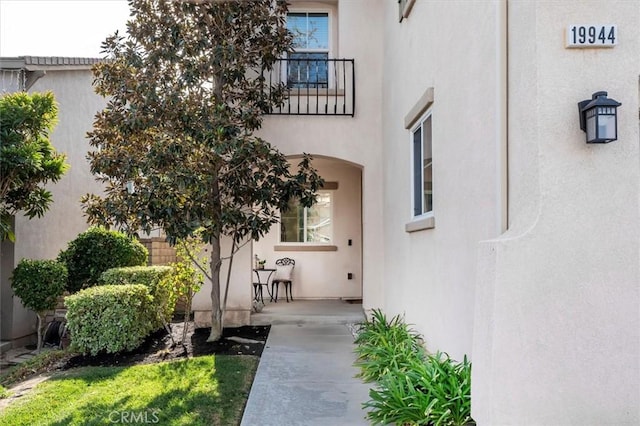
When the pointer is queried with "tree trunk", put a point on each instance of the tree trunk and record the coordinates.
(187, 316)
(226, 286)
(216, 312)
(39, 347)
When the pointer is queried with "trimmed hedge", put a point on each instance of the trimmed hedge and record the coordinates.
(152, 277)
(39, 283)
(96, 250)
(110, 318)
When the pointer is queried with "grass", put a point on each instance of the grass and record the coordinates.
(206, 390)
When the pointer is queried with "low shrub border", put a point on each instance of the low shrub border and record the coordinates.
(412, 386)
(110, 318)
(152, 277)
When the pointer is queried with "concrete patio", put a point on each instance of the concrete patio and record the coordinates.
(309, 312)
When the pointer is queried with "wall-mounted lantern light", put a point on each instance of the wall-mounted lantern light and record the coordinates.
(599, 119)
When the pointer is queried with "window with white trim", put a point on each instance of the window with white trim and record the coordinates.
(422, 166)
(313, 224)
(307, 66)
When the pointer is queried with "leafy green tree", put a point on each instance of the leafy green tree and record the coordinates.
(176, 147)
(28, 161)
(39, 283)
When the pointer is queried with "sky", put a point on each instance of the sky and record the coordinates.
(59, 27)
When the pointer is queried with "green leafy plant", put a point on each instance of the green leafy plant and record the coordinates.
(28, 161)
(413, 387)
(152, 277)
(4, 393)
(385, 345)
(96, 250)
(186, 277)
(397, 399)
(451, 387)
(433, 391)
(38, 284)
(110, 318)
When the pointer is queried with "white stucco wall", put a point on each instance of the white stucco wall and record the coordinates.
(240, 294)
(557, 337)
(430, 274)
(77, 103)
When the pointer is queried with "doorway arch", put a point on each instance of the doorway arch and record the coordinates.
(330, 267)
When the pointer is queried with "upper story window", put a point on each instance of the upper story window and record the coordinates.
(308, 65)
(422, 166)
(313, 224)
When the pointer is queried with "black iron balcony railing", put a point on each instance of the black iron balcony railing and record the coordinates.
(316, 84)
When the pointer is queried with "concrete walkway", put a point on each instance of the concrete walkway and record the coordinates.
(306, 372)
(16, 356)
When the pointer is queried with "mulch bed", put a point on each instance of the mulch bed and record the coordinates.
(159, 347)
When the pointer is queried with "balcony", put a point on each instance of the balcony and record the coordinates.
(316, 85)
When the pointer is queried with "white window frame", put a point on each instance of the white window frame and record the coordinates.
(420, 126)
(330, 193)
(414, 118)
(330, 50)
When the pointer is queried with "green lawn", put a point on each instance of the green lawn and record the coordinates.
(207, 390)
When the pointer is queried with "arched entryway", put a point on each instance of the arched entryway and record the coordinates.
(326, 240)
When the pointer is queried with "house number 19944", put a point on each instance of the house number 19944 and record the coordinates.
(592, 35)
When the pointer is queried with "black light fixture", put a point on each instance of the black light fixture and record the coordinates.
(599, 119)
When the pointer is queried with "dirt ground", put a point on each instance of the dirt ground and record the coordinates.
(246, 340)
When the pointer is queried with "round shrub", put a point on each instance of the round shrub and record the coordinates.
(96, 250)
(39, 283)
(110, 318)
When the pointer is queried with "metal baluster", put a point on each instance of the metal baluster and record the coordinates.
(335, 78)
(298, 84)
(317, 87)
(285, 63)
(263, 79)
(308, 67)
(344, 86)
(353, 87)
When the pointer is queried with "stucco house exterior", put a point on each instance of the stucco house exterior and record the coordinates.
(461, 192)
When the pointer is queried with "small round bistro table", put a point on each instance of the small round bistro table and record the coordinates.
(261, 273)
